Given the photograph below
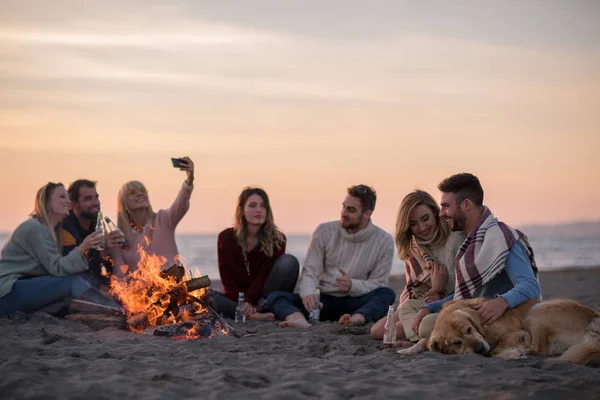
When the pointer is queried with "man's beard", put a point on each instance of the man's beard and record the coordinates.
(89, 215)
(349, 225)
(458, 223)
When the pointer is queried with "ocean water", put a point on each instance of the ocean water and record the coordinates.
(551, 252)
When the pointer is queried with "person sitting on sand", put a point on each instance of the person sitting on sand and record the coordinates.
(427, 247)
(495, 261)
(350, 262)
(80, 223)
(252, 258)
(33, 273)
(153, 231)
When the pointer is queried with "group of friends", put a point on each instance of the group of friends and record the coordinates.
(454, 250)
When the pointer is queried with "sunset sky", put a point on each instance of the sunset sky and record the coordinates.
(303, 98)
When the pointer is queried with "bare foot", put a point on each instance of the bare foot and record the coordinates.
(262, 316)
(352, 320)
(295, 323)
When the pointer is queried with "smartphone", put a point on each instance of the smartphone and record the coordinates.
(177, 162)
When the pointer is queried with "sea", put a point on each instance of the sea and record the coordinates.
(552, 252)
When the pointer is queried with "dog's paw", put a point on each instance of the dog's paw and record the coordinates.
(512, 354)
(419, 347)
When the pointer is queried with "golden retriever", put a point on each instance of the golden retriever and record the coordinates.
(550, 328)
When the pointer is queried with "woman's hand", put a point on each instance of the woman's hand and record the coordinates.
(187, 165)
(248, 309)
(114, 241)
(91, 242)
(433, 296)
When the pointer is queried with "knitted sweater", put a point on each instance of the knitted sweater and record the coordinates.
(31, 252)
(366, 256)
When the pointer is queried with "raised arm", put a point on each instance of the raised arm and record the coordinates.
(181, 205)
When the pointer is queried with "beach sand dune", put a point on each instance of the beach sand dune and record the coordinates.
(46, 357)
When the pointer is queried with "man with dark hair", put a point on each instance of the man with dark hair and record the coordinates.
(85, 205)
(349, 261)
(495, 261)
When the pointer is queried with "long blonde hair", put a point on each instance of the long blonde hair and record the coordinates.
(41, 211)
(270, 236)
(124, 221)
(403, 234)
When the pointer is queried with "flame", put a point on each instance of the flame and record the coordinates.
(152, 298)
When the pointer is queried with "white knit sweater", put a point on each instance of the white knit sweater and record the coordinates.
(366, 256)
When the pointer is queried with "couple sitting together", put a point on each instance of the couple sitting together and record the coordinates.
(469, 254)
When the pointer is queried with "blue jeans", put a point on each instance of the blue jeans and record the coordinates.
(373, 305)
(31, 294)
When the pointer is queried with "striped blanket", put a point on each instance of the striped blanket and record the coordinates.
(484, 253)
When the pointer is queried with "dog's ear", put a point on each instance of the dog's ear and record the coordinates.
(473, 317)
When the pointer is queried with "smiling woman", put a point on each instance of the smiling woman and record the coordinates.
(33, 273)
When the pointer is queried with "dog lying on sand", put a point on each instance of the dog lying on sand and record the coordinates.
(549, 328)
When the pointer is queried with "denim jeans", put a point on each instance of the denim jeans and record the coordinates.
(373, 305)
(283, 277)
(31, 294)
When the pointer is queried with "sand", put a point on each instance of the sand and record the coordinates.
(45, 357)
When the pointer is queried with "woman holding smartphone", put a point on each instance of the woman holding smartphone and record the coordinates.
(153, 231)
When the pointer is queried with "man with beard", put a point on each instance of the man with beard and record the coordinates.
(349, 261)
(85, 205)
(495, 261)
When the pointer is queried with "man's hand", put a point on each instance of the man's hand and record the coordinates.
(343, 283)
(309, 302)
(418, 318)
(439, 277)
(491, 310)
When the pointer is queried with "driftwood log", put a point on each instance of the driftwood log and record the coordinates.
(178, 296)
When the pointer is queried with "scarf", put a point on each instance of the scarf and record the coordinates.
(484, 253)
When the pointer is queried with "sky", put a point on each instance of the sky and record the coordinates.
(303, 98)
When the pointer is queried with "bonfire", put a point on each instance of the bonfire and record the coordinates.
(164, 302)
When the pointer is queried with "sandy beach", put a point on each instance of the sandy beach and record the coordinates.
(46, 357)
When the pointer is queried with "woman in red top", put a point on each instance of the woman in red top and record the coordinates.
(252, 258)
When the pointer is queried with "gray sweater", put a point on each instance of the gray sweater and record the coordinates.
(31, 252)
(365, 255)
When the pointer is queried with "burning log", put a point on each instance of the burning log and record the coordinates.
(167, 304)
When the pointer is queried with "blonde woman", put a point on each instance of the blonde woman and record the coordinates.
(428, 248)
(252, 258)
(33, 273)
(153, 231)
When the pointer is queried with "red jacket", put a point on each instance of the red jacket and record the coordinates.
(232, 268)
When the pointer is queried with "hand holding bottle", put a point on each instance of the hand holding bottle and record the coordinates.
(91, 242)
(114, 241)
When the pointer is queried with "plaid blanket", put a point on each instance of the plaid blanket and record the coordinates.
(418, 273)
(484, 253)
